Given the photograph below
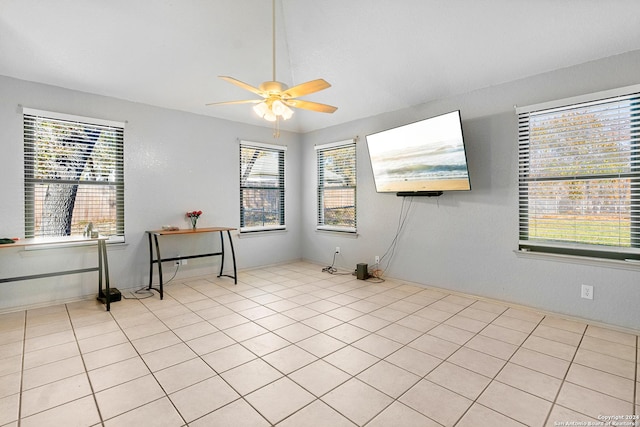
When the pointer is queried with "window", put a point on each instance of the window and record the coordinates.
(261, 187)
(337, 186)
(74, 175)
(579, 173)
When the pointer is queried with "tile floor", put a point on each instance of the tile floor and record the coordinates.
(292, 346)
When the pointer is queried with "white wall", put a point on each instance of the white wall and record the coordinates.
(465, 241)
(174, 162)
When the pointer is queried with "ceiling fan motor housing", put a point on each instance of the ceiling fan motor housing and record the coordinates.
(273, 88)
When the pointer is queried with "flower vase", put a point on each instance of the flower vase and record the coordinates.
(193, 217)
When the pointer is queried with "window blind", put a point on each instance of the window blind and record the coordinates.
(579, 177)
(262, 187)
(337, 186)
(74, 175)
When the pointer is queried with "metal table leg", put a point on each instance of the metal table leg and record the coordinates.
(103, 271)
(233, 256)
(150, 261)
(222, 253)
(159, 258)
(105, 268)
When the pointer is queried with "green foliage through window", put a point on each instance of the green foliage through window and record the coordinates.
(579, 173)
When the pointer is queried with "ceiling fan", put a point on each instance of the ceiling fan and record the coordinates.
(277, 97)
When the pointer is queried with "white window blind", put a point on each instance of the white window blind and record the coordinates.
(337, 186)
(579, 177)
(74, 175)
(262, 190)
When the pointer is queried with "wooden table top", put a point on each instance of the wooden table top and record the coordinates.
(190, 230)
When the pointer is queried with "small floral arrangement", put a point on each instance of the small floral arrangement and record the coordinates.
(193, 216)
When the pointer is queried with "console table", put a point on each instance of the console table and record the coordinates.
(154, 242)
(67, 242)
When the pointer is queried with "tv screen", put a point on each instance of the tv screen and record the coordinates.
(425, 156)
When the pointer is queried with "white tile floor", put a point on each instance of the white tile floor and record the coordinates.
(292, 346)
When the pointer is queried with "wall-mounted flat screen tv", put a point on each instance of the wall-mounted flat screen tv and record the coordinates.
(420, 158)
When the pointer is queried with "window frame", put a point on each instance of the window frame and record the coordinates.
(575, 248)
(281, 150)
(320, 187)
(30, 116)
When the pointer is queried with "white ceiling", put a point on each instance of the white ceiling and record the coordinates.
(379, 55)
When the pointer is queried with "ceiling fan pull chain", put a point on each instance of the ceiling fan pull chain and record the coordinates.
(276, 128)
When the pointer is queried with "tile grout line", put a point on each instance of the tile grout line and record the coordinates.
(86, 371)
(351, 377)
(315, 398)
(338, 292)
(24, 346)
(636, 398)
(564, 378)
(391, 323)
(396, 399)
(475, 401)
(318, 358)
(423, 377)
(145, 363)
(241, 396)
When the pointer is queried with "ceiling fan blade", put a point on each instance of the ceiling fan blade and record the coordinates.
(246, 101)
(243, 85)
(308, 105)
(306, 88)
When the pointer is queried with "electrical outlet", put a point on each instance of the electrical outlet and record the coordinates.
(377, 259)
(587, 292)
(184, 261)
(337, 249)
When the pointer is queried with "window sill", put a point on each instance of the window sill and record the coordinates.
(338, 232)
(40, 243)
(633, 265)
(261, 231)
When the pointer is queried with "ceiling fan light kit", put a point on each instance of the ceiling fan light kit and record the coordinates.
(272, 110)
(278, 97)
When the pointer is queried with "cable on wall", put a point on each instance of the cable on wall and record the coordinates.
(402, 219)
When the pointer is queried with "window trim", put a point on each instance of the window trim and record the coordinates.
(57, 116)
(319, 213)
(559, 249)
(579, 99)
(71, 117)
(267, 228)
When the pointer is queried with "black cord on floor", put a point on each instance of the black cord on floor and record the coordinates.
(149, 292)
(332, 270)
